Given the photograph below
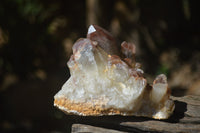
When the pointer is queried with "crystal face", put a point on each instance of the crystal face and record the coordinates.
(105, 81)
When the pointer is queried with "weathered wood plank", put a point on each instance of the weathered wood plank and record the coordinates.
(193, 105)
(81, 128)
(160, 126)
(186, 119)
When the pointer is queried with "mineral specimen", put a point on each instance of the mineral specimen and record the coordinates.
(105, 81)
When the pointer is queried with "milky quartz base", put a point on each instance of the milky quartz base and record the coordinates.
(103, 83)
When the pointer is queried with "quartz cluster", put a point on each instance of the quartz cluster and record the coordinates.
(107, 81)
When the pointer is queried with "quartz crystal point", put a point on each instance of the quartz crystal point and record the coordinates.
(105, 81)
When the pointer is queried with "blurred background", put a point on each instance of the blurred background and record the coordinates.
(36, 37)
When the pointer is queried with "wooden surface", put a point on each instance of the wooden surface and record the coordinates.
(186, 119)
(76, 128)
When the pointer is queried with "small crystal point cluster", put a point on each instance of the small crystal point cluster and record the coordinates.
(108, 81)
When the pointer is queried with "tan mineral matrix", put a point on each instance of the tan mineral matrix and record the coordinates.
(107, 81)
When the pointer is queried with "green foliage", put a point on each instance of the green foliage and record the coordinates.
(29, 7)
(162, 69)
(27, 33)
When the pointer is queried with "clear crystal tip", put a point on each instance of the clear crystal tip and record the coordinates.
(91, 29)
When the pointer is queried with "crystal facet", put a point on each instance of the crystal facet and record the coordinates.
(105, 81)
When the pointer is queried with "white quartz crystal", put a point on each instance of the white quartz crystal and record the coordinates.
(103, 83)
(91, 29)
